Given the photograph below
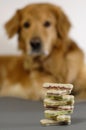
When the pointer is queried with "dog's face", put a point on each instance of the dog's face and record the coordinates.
(40, 27)
(37, 30)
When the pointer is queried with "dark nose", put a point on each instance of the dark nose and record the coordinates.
(35, 43)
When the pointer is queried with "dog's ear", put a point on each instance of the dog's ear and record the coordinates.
(12, 26)
(62, 22)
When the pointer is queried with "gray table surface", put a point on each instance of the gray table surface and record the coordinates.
(18, 114)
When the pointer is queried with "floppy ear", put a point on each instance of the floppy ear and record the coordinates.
(62, 23)
(12, 26)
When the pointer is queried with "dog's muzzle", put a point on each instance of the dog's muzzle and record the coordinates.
(36, 45)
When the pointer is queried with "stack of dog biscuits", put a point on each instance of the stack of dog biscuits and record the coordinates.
(58, 104)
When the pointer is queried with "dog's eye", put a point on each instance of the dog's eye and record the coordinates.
(47, 24)
(26, 25)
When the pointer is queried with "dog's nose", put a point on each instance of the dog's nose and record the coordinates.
(35, 44)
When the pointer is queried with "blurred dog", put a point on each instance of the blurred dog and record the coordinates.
(49, 55)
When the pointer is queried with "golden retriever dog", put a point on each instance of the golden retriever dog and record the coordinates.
(49, 54)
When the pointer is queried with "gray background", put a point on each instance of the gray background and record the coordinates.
(18, 114)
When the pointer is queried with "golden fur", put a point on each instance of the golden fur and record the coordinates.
(60, 59)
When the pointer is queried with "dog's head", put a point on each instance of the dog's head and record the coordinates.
(39, 27)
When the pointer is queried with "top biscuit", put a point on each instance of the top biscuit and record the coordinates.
(58, 86)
